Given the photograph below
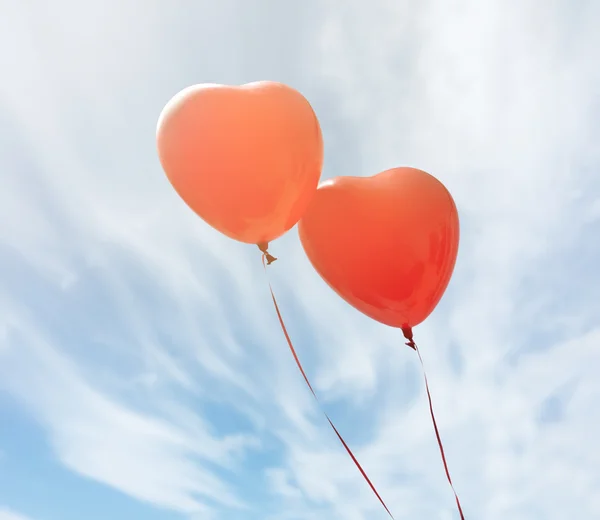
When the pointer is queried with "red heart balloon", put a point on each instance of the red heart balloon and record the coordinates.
(386, 244)
(247, 159)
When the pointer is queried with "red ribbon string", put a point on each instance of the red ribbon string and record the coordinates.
(297, 360)
(413, 345)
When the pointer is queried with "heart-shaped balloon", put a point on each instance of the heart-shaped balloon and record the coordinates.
(386, 244)
(247, 159)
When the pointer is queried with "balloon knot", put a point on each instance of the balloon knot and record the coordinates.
(408, 334)
(264, 246)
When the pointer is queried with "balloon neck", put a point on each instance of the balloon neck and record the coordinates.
(264, 246)
(408, 334)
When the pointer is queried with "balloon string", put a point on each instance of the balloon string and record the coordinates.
(408, 335)
(299, 365)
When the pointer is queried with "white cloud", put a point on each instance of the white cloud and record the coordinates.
(149, 457)
(7, 514)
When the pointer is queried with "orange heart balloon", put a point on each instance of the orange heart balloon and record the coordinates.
(247, 159)
(386, 244)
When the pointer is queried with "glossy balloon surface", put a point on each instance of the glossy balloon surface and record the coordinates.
(247, 159)
(386, 244)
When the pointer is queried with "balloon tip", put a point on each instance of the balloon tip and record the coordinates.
(408, 334)
(264, 246)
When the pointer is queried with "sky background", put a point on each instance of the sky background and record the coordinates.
(143, 373)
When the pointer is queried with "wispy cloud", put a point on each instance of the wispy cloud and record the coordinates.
(7, 514)
(144, 343)
(149, 457)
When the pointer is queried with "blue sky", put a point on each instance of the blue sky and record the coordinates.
(142, 370)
